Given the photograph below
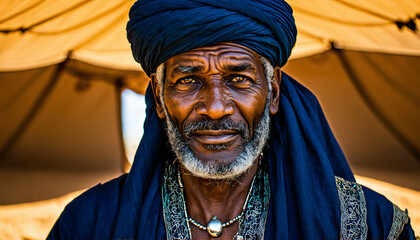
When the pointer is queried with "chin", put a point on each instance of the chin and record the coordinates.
(217, 165)
(214, 155)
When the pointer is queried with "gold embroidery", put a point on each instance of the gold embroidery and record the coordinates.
(353, 210)
(399, 220)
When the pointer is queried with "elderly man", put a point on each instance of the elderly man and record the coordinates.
(232, 148)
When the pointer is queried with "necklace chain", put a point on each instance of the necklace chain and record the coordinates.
(226, 224)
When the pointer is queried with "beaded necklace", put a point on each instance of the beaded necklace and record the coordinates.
(252, 220)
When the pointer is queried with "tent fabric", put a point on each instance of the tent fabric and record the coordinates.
(77, 103)
(391, 92)
(19, 185)
(41, 33)
(60, 130)
(363, 25)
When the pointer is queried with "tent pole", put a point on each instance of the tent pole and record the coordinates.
(125, 164)
(38, 104)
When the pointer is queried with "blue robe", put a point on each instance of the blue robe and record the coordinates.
(304, 160)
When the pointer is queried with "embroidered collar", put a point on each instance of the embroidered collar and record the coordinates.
(251, 225)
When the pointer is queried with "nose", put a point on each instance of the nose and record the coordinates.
(215, 103)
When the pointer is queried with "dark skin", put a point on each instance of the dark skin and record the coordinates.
(222, 81)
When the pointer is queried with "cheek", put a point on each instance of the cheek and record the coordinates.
(179, 107)
(251, 107)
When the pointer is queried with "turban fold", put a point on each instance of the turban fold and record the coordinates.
(161, 29)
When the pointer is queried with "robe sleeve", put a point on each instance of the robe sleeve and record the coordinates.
(76, 221)
(91, 215)
(407, 233)
(385, 219)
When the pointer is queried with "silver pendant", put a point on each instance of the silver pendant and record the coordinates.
(214, 227)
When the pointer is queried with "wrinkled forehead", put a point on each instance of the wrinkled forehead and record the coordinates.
(224, 54)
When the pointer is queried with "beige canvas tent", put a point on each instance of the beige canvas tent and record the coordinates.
(63, 65)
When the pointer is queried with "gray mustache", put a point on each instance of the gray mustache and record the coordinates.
(223, 124)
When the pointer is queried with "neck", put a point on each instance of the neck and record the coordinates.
(222, 198)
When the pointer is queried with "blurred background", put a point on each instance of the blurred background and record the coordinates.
(71, 103)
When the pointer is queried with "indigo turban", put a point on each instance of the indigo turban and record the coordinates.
(161, 29)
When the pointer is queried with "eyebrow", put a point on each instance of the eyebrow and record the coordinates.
(240, 67)
(186, 70)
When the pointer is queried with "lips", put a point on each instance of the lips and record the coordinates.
(215, 136)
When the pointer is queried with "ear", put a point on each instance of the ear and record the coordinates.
(275, 94)
(156, 94)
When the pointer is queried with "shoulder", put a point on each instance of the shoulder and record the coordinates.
(97, 206)
(99, 196)
(369, 214)
(386, 217)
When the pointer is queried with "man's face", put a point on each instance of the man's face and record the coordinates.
(216, 96)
